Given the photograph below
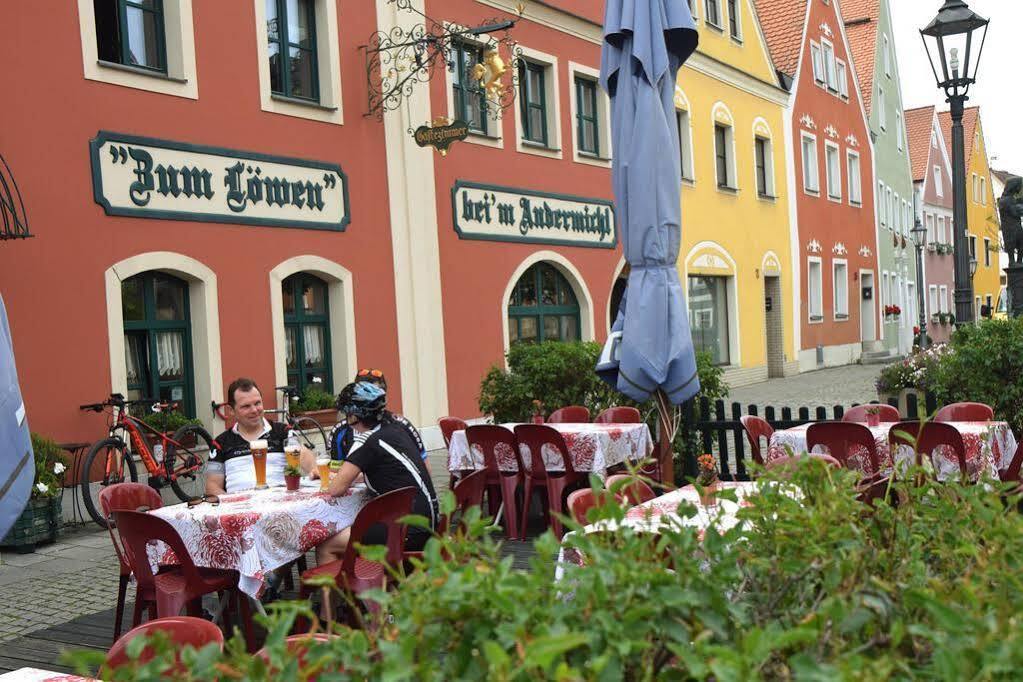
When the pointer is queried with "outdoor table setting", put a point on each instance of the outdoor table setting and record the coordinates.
(592, 447)
(990, 447)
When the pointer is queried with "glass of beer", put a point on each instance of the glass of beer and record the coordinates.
(291, 454)
(323, 467)
(259, 448)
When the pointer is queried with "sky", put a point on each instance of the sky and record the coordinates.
(997, 90)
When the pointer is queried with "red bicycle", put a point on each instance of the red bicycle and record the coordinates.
(180, 466)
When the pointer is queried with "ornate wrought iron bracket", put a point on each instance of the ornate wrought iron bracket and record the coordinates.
(13, 219)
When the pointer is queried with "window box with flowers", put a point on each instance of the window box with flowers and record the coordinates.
(892, 312)
(318, 405)
(40, 520)
(932, 247)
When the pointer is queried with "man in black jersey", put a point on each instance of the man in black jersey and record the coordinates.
(388, 458)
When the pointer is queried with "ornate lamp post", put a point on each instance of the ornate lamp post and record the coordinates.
(954, 41)
(919, 234)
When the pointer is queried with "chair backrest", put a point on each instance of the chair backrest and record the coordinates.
(125, 497)
(619, 415)
(448, 426)
(887, 413)
(468, 493)
(297, 646)
(841, 439)
(634, 490)
(583, 500)
(574, 414)
(788, 464)
(499, 447)
(965, 412)
(137, 529)
(385, 509)
(534, 437)
(756, 428)
(929, 436)
(181, 630)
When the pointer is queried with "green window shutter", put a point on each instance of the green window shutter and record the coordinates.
(543, 307)
(140, 38)
(291, 43)
(588, 130)
(307, 332)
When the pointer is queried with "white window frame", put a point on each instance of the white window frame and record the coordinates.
(887, 57)
(843, 79)
(900, 223)
(494, 136)
(932, 300)
(817, 62)
(770, 187)
(973, 186)
(943, 298)
(899, 130)
(893, 224)
(682, 116)
(181, 79)
(939, 230)
(830, 146)
(819, 317)
(720, 13)
(929, 223)
(603, 118)
(855, 178)
(815, 189)
(830, 65)
(882, 109)
(552, 105)
(983, 190)
(730, 150)
(882, 207)
(839, 286)
(738, 21)
(884, 289)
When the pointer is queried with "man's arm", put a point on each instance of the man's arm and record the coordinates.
(340, 484)
(215, 484)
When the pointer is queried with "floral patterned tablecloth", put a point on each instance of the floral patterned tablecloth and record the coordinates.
(256, 531)
(990, 447)
(39, 675)
(593, 447)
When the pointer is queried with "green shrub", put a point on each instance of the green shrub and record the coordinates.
(313, 398)
(51, 467)
(168, 421)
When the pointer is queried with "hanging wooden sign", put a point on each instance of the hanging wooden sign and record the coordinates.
(441, 134)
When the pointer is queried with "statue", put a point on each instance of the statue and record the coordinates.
(1010, 209)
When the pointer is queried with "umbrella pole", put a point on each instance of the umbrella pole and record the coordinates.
(668, 420)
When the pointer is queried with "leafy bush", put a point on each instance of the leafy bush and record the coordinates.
(313, 398)
(916, 372)
(51, 466)
(809, 585)
(168, 421)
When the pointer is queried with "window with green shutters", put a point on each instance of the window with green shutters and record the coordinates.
(588, 133)
(543, 307)
(158, 339)
(533, 102)
(469, 96)
(291, 37)
(307, 331)
(131, 32)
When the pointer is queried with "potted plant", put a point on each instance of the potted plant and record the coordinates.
(318, 405)
(932, 247)
(40, 520)
(707, 479)
(292, 477)
(935, 318)
(874, 416)
(537, 412)
(167, 422)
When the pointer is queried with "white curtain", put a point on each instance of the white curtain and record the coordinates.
(313, 340)
(131, 358)
(289, 335)
(170, 354)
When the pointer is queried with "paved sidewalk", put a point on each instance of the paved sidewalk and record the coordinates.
(836, 386)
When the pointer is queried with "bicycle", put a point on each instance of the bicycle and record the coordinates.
(182, 464)
(307, 429)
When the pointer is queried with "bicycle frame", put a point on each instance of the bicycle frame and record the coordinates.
(123, 421)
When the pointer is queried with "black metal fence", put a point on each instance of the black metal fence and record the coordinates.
(716, 428)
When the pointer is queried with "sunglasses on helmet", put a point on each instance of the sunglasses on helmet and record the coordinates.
(375, 373)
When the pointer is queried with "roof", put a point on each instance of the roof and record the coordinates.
(970, 117)
(861, 19)
(919, 123)
(1003, 176)
(783, 23)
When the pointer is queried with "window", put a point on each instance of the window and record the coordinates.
(841, 290)
(818, 63)
(733, 20)
(932, 299)
(722, 153)
(975, 187)
(291, 46)
(833, 171)
(943, 299)
(973, 247)
(855, 181)
(941, 230)
(307, 332)
(713, 8)
(470, 100)
(892, 218)
(811, 175)
(708, 316)
(938, 186)
(882, 209)
(885, 296)
(898, 128)
(900, 225)
(987, 252)
(987, 302)
(131, 32)
(843, 79)
(929, 220)
(588, 128)
(830, 67)
(533, 102)
(158, 339)
(815, 285)
(882, 110)
(685, 143)
(543, 307)
(983, 191)
(762, 157)
(887, 57)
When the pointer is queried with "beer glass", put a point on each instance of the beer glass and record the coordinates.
(259, 448)
(323, 466)
(291, 454)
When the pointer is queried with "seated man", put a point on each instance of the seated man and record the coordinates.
(230, 467)
(386, 455)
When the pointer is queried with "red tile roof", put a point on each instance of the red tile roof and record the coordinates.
(919, 123)
(783, 23)
(860, 17)
(970, 117)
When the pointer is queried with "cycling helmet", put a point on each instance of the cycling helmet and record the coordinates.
(362, 400)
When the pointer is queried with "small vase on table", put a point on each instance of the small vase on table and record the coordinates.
(707, 480)
(874, 416)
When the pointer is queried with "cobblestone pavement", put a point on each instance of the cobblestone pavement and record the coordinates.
(834, 386)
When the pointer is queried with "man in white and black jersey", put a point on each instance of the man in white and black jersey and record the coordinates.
(384, 453)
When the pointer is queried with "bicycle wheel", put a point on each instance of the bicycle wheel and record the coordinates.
(108, 458)
(185, 465)
(310, 433)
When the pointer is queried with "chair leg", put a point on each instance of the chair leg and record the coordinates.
(555, 491)
(136, 616)
(493, 500)
(246, 617)
(526, 500)
(509, 487)
(122, 592)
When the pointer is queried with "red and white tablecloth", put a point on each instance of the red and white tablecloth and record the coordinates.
(593, 447)
(256, 531)
(990, 447)
(39, 675)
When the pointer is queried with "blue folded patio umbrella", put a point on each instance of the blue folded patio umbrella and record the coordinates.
(650, 349)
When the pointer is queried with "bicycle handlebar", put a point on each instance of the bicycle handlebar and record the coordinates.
(117, 400)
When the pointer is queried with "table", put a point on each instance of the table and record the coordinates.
(39, 675)
(257, 531)
(990, 447)
(592, 447)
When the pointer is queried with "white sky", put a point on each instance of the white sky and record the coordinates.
(998, 82)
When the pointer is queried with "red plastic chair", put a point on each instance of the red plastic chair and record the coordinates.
(354, 573)
(619, 415)
(535, 437)
(182, 588)
(858, 414)
(296, 647)
(840, 439)
(181, 630)
(448, 426)
(574, 414)
(965, 412)
(468, 493)
(633, 489)
(128, 497)
(756, 428)
(489, 438)
(926, 437)
(583, 500)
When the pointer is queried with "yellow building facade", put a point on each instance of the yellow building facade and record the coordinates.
(985, 234)
(737, 218)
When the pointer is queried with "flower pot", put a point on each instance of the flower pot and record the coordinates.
(39, 523)
(325, 418)
(873, 419)
(709, 494)
(292, 482)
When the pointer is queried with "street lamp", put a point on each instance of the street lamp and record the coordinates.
(954, 41)
(919, 236)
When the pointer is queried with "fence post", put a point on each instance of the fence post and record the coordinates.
(912, 408)
(689, 458)
(719, 416)
(740, 444)
(839, 412)
(804, 414)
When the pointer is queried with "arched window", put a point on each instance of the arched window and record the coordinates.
(158, 339)
(543, 307)
(307, 331)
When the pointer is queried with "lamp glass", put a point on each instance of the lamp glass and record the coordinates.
(918, 233)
